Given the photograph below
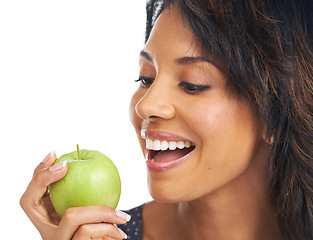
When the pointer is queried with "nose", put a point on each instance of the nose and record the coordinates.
(156, 104)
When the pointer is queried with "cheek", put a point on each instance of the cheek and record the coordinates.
(225, 129)
(228, 137)
(206, 120)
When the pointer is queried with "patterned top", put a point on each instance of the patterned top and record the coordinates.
(133, 228)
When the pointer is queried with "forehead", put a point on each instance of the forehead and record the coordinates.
(171, 34)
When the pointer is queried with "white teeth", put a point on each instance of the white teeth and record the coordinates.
(187, 144)
(158, 145)
(172, 145)
(149, 144)
(164, 145)
(180, 144)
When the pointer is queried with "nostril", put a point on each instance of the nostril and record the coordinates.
(153, 117)
(153, 110)
(162, 112)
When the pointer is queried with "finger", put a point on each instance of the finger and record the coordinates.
(42, 179)
(73, 218)
(31, 199)
(46, 201)
(99, 231)
(46, 162)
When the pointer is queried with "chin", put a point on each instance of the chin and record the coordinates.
(166, 193)
(162, 198)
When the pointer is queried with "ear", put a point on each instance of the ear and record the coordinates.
(268, 138)
(271, 140)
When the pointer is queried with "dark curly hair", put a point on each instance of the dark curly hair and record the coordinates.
(267, 48)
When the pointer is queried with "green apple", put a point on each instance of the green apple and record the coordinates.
(91, 179)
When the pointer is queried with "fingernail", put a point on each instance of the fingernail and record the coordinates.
(52, 153)
(58, 166)
(123, 215)
(123, 234)
(48, 157)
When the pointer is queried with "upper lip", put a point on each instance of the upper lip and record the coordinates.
(161, 135)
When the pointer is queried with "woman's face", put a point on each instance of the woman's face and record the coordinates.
(203, 134)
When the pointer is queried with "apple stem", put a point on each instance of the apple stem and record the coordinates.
(78, 153)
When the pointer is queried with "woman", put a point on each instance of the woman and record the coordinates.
(223, 115)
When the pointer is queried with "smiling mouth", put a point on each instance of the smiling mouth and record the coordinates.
(166, 151)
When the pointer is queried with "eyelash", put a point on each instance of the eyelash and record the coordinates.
(192, 89)
(187, 87)
(145, 81)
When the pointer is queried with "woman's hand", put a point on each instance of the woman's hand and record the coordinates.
(92, 222)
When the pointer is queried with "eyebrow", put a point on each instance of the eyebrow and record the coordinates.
(183, 60)
(190, 60)
(146, 55)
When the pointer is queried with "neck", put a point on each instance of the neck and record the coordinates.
(221, 217)
(243, 209)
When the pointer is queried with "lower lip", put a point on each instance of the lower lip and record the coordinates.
(163, 166)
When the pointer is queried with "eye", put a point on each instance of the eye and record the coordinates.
(145, 81)
(191, 88)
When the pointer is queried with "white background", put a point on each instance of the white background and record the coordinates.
(66, 77)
